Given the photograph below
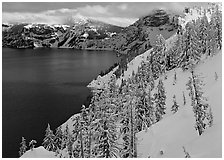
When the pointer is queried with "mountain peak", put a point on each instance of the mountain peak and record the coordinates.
(156, 18)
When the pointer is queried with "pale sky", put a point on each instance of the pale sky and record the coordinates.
(117, 13)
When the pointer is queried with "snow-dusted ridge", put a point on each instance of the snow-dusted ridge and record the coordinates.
(132, 66)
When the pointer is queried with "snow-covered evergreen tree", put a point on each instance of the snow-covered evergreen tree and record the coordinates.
(159, 57)
(175, 106)
(83, 133)
(125, 132)
(149, 76)
(184, 99)
(191, 92)
(150, 114)
(210, 117)
(58, 137)
(216, 76)
(192, 52)
(106, 133)
(77, 150)
(32, 144)
(200, 106)
(129, 119)
(175, 78)
(23, 147)
(69, 144)
(217, 17)
(160, 101)
(211, 41)
(202, 33)
(68, 140)
(48, 142)
(174, 53)
(125, 123)
(187, 155)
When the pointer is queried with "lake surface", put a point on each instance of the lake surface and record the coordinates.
(41, 86)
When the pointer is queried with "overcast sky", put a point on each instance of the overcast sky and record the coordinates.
(122, 14)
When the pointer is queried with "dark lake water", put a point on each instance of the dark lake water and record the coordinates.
(41, 86)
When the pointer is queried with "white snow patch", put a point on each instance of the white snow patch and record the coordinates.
(39, 152)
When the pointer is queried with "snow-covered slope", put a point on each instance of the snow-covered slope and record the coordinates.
(131, 67)
(39, 152)
(175, 131)
(101, 81)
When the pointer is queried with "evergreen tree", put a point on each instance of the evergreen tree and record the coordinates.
(129, 120)
(216, 76)
(187, 155)
(149, 76)
(58, 137)
(160, 101)
(192, 52)
(90, 127)
(202, 30)
(84, 134)
(211, 41)
(150, 114)
(82, 129)
(125, 122)
(175, 106)
(174, 53)
(217, 16)
(125, 131)
(68, 140)
(159, 57)
(77, 150)
(190, 88)
(69, 144)
(175, 78)
(200, 107)
(133, 102)
(48, 142)
(186, 46)
(32, 144)
(210, 117)
(105, 132)
(184, 98)
(23, 147)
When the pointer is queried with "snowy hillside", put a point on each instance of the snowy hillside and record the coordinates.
(168, 137)
(39, 152)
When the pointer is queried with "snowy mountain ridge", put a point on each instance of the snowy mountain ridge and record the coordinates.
(136, 62)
